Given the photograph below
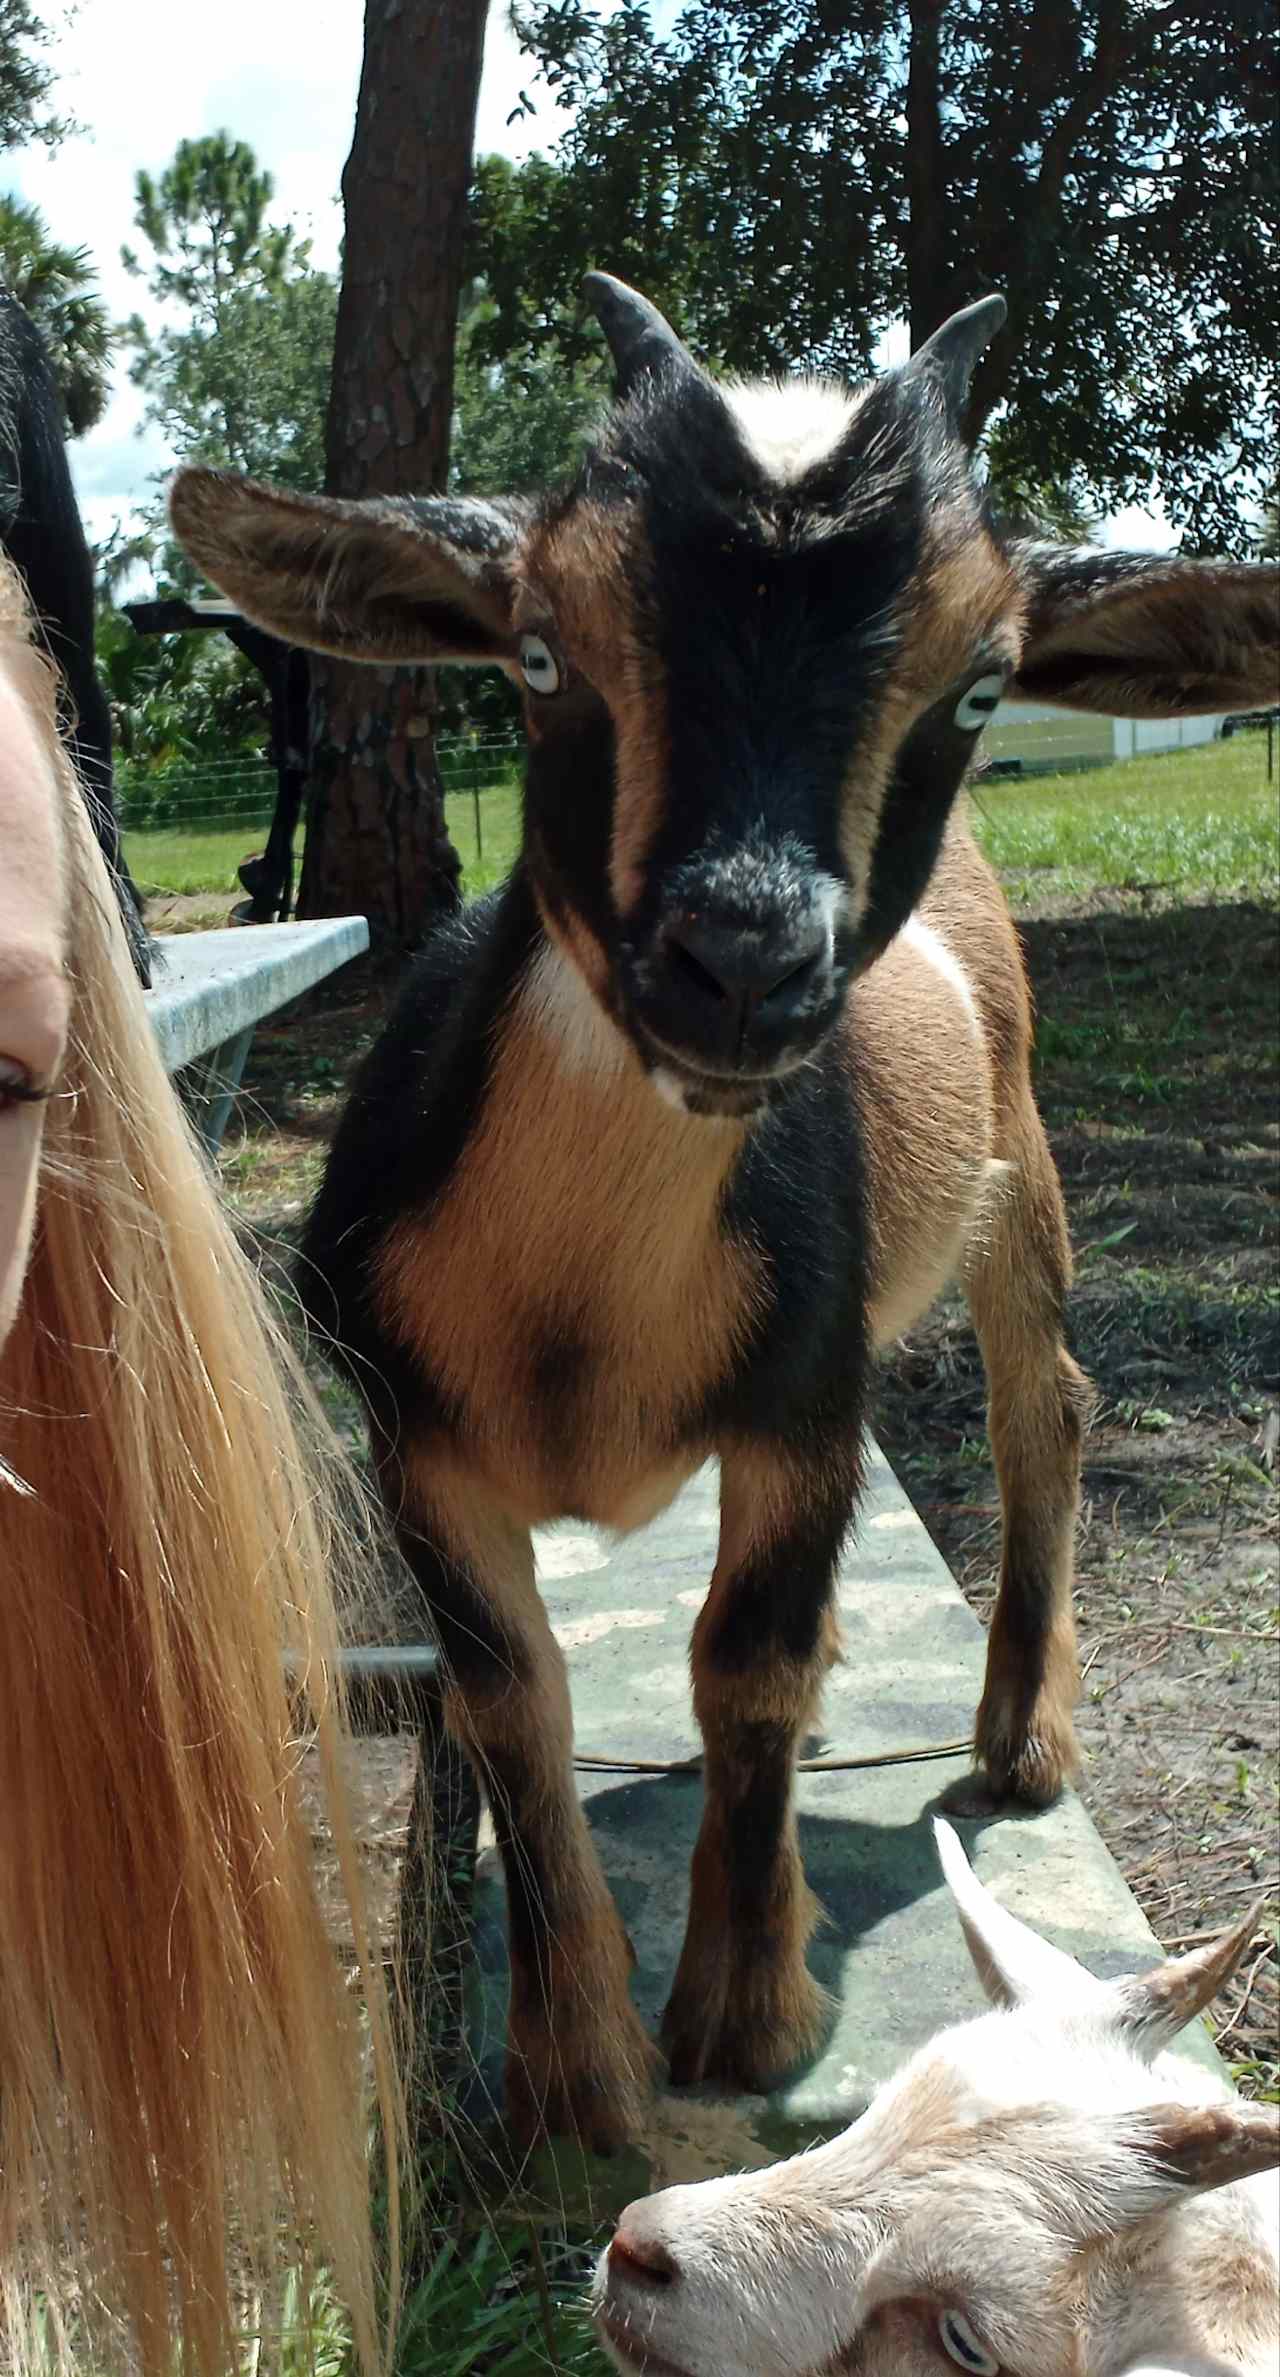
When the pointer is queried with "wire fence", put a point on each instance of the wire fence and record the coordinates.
(481, 777)
(216, 796)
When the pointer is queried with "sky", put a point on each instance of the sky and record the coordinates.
(141, 75)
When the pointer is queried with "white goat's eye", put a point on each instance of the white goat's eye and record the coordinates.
(975, 707)
(960, 2342)
(539, 666)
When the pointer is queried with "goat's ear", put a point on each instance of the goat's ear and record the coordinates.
(1149, 2161)
(1153, 2007)
(395, 578)
(1012, 1962)
(1141, 635)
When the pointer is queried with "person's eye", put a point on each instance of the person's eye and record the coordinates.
(17, 1087)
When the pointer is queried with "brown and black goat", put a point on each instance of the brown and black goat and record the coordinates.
(713, 1095)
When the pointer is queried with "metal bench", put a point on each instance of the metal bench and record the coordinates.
(212, 989)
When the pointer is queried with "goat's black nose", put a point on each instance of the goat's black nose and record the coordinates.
(738, 974)
(639, 2259)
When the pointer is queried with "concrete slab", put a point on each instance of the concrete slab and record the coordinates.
(892, 1954)
(212, 987)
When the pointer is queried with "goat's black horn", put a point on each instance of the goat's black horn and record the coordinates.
(949, 356)
(639, 340)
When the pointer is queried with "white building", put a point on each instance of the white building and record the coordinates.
(1045, 738)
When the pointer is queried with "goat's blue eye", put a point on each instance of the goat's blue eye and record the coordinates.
(960, 2342)
(976, 706)
(538, 665)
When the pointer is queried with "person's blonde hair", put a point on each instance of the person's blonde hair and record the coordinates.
(181, 2096)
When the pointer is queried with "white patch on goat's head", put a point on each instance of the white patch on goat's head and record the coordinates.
(1021, 2196)
(789, 426)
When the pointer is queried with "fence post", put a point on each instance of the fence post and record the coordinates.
(475, 799)
(1271, 728)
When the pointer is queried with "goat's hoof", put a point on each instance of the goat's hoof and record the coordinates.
(1032, 1775)
(768, 2024)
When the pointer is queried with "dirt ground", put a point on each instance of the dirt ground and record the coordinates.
(1158, 1084)
(1158, 1081)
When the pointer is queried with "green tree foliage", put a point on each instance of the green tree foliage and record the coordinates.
(206, 220)
(184, 697)
(785, 177)
(26, 78)
(178, 697)
(243, 380)
(520, 423)
(59, 288)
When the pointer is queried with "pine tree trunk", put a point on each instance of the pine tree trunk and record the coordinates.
(927, 294)
(376, 839)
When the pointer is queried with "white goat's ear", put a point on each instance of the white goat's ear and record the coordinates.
(1169, 2152)
(1153, 2007)
(1141, 635)
(395, 578)
(1013, 1963)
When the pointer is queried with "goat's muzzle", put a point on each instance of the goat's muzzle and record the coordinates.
(638, 2270)
(733, 1001)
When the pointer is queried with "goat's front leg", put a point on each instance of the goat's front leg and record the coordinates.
(744, 2008)
(578, 2061)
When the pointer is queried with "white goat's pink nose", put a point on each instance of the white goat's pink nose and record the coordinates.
(638, 2254)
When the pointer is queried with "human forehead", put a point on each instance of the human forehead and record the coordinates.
(31, 859)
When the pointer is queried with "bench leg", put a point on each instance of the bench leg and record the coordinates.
(209, 1089)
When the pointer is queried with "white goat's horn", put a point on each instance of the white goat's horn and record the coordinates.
(1151, 2008)
(950, 355)
(1013, 1963)
(640, 341)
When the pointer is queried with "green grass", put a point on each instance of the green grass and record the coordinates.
(499, 833)
(478, 2312)
(165, 859)
(1203, 820)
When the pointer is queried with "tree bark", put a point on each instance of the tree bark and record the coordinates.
(927, 295)
(376, 838)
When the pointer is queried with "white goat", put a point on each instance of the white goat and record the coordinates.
(1041, 2192)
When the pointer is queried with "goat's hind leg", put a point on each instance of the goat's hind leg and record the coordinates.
(578, 2061)
(1017, 1276)
(744, 2008)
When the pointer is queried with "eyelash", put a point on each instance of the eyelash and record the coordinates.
(20, 1093)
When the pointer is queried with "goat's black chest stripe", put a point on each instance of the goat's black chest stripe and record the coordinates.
(798, 1198)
